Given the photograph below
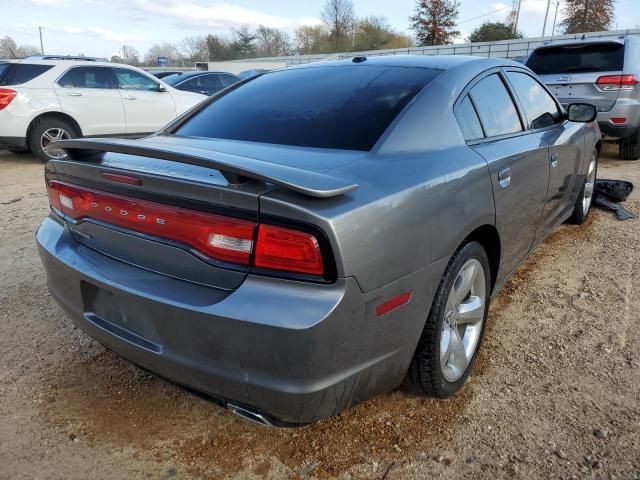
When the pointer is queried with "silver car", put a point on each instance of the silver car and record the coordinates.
(604, 73)
(294, 255)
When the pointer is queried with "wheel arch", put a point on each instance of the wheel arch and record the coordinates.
(59, 115)
(489, 238)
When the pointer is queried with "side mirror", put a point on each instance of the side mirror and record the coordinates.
(162, 88)
(581, 112)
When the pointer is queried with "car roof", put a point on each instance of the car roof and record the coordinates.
(183, 75)
(439, 62)
(584, 41)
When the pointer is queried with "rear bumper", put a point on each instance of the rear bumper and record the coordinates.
(627, 108)
(615, 131)
(292, 351)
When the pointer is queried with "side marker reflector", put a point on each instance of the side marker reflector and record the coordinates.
(393, 303)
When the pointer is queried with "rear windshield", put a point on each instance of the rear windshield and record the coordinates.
(603, 57)
(337, 107)
(19, 73)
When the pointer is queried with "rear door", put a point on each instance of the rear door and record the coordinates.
(89, 95)
(146, 107)
(572, 71)
(518, 164)
(564, 140)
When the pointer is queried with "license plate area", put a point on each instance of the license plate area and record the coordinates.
(127, 318)
(562, 91)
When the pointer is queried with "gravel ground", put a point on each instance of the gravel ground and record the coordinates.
(555, 393)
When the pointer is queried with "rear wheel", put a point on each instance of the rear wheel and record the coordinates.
(630, 147)
(454, 328)
(584, 201)
(46, 131)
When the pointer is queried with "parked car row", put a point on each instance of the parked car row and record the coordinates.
(48, 98)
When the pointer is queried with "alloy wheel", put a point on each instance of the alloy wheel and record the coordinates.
(463, 319)
(52, 135)
(589, 185)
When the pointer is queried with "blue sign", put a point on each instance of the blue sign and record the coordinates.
(162, 61)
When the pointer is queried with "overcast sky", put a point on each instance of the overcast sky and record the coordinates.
(100, 27)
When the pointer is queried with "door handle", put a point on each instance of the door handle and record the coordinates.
(129, 97)
(504, 177)
(74, 94)
(554, 160)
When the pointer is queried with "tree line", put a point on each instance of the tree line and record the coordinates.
(340, 30)
(434, 22)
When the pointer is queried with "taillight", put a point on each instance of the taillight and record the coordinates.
(285, 249)
(617, 82)
(218, 237)
(6, 97)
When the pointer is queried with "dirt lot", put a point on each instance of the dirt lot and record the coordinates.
(556, 393)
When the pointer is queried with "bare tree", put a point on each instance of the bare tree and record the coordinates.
(339, 18)
(194, 49)
(218, 48)
(166, 49)
(311, 39)
(434, 21)
(10, 49)
(587, 15)
(272, 42)
(129, 55)
(374, 33)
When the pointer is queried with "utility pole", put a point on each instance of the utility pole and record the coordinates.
(41, 44)
(515, 23)
(546, 16)
(555, 18)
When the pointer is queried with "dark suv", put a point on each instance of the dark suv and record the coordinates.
(604, 73)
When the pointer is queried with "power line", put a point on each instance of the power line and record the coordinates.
(484, 15)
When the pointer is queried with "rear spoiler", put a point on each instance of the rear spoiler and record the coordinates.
(235, 168)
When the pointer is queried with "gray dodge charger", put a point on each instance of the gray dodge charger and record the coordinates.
(311, 237)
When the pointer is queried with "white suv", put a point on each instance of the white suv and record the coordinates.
(48, 98)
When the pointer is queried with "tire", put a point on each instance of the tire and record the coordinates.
(18, 150)
(629, 148)
(584, 202)
(44, 128)
(431, 373)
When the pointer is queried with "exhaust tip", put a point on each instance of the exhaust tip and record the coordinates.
(249, 415)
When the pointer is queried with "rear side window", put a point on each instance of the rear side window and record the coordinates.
(19, 73)
(210, 81)
(495, 107)
(86, 77)
(603, 57)
(541, 110)
(468, 120)
(132, 80)
(338, 107)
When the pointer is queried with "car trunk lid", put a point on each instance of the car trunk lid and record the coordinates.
(172, 179)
